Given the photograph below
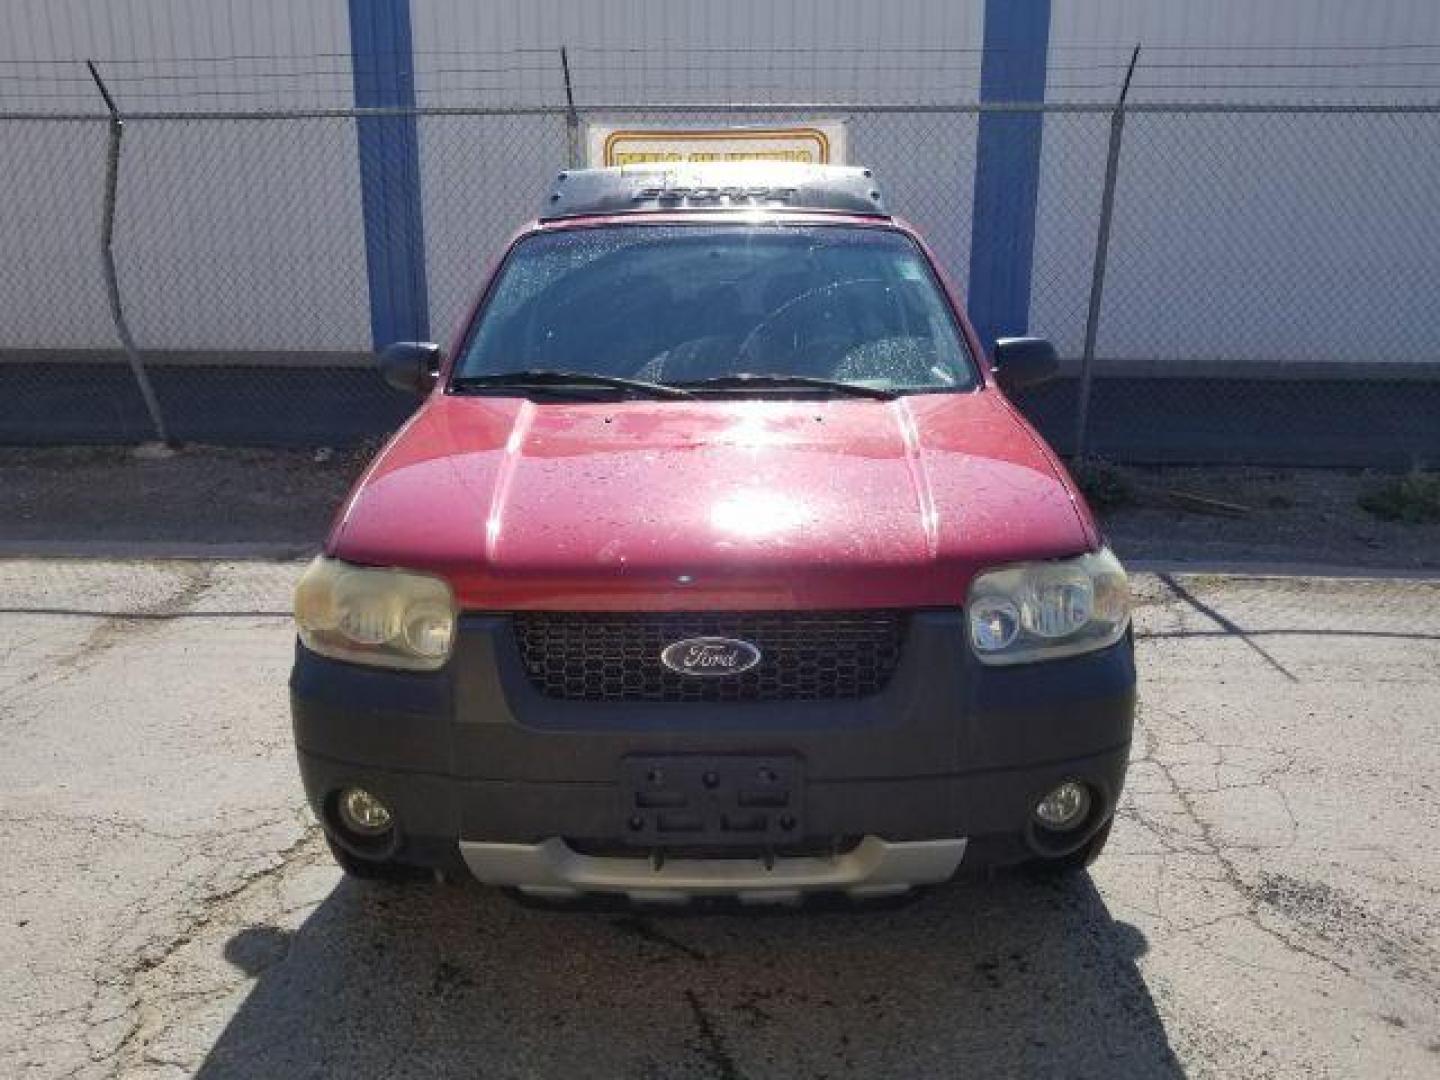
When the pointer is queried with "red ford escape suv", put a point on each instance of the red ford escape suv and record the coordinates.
(715, 562)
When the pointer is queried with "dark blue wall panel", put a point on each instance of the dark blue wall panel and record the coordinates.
(1007, 167)
(384, 73)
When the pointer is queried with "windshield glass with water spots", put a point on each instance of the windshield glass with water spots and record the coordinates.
(685, 303)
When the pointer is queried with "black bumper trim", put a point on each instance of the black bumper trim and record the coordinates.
(949, 749)
(995, 802)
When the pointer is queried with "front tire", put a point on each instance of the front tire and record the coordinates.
(1073, 863)
(383, 870)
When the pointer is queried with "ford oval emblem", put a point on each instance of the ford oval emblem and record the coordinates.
(709, 656)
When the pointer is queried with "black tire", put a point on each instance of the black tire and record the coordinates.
(373, 869)
(1073, 863)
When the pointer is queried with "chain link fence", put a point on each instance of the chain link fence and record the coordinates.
(1267, 292)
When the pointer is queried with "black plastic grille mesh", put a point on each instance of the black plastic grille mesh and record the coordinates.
(805, 655)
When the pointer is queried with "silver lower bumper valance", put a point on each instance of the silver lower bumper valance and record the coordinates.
(871, 869)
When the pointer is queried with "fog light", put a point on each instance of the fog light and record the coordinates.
(1065, 807)
(363, 813)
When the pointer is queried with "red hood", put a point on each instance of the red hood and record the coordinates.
(765, 503)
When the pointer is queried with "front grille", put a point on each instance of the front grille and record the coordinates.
(805, 655)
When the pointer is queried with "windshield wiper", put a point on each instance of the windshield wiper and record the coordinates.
(747, 380)
(522, 380)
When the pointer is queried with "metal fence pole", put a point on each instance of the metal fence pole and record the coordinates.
(107, 261)
(572, 118)
(1097, 273)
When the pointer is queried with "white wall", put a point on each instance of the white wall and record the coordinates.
(1234, 236)
(1361, 61)
(231, 234)
(744, 49)
(175, 54)
(1256, 236)
(483, 177)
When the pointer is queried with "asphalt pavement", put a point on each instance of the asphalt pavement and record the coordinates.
(1267, 907)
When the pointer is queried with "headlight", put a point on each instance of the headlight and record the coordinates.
(1042, 610)
(388, 618)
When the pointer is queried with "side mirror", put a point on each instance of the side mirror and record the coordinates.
(411, 366)
(1024, 361)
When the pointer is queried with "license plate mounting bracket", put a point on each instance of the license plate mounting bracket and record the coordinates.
(679, 800)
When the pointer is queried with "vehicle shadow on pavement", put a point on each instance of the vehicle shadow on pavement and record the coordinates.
(1010, 977)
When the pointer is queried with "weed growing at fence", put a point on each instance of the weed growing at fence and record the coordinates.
(1106, 486)
(1413, 498)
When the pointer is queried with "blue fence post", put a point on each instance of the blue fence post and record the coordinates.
(1007, 167)
(383, 65)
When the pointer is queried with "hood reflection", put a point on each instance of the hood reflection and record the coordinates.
(757, 514)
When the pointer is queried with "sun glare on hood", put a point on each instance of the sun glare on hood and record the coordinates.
(757, 514)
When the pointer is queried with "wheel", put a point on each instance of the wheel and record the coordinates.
(1075, 861)
(373, 869)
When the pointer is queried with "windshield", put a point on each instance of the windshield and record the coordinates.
(689, 303)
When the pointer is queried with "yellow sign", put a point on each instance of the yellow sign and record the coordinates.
(819, 143)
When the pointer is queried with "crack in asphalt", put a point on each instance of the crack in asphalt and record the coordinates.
(645, 930)
(1230, 871)
(711, 1045)
(197, 580)
(111, 630)
(1302, 903)
(147, 1015)
(1225, 623)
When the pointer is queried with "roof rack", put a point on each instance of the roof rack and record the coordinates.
(750, 185)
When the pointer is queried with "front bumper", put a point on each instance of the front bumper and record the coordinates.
(486, 774)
